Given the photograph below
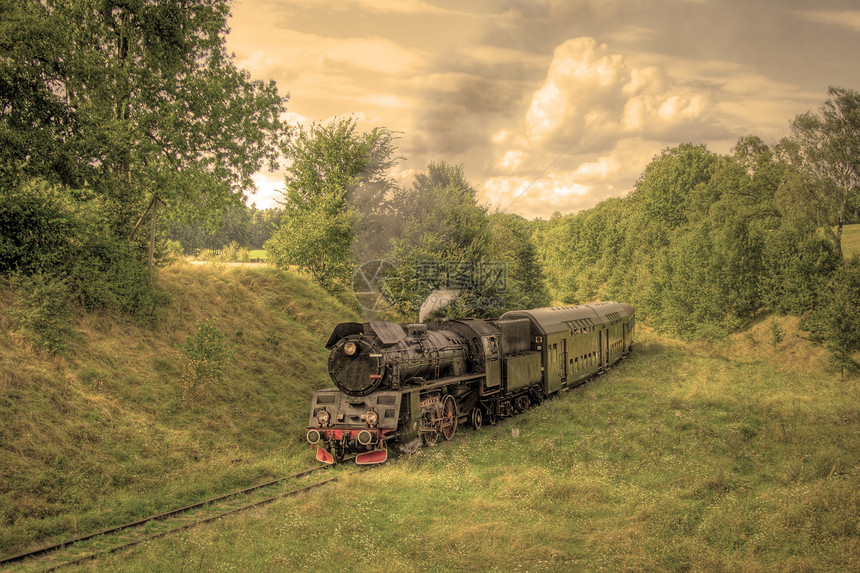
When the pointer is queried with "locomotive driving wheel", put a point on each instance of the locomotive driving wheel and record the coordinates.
(448, 418)
(430, 437)
(477, 418)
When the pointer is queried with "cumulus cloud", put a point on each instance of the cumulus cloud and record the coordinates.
(586, 80)
(592, 126)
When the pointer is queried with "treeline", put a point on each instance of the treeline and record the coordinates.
(705, 242)
(353, 229)
(240, 225)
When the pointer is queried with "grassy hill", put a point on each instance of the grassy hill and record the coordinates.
(739, 455)
(114, 430)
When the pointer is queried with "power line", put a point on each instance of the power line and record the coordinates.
(551, 163)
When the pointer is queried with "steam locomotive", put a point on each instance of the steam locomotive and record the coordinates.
(410, 383)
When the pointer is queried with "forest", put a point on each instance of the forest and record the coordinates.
(125, 126)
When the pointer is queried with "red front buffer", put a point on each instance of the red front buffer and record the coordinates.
(324, 457)
(374, 457)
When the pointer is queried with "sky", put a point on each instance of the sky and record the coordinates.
(549, 105)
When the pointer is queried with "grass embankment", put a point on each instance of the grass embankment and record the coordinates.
(106, 433)
(742, 457)
(851, 240)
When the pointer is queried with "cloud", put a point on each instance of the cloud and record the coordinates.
(591, 127)
(302, 53)
(849, 19)
(582, 185)
(585, 81)
(270, 190)
(404, 7)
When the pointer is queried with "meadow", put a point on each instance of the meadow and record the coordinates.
(740, 455)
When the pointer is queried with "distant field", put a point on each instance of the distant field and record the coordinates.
(851, 240)
(259, 254)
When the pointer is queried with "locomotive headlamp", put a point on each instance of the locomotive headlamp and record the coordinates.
(323, 417)
(314, 436)
(350, 348)
(372, 418)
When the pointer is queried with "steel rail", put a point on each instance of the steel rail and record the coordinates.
(162, 516)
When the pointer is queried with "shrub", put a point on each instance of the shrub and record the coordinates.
(776, 333)
(37, 229)
(44, 312)
(41, 233)
(205, 355)
(835, 323)
(206, 255)
(108, 273)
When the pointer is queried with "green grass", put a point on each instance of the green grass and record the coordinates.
(103, 434)
(259, 254)
(685, 457)
(737, 457)
(851, 240)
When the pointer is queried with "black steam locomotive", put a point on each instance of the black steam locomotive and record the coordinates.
(401, 383)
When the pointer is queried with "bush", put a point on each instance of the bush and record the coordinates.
(835, 323)
(44, 312)
(37, 230)
(776, 333)
(205, 354)
(109, 274)
(43, 236)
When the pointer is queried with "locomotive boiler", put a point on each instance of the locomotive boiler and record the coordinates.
(405, 383)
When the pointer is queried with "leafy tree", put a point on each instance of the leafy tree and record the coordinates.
(797, 267)
(335, 191)
(318, 241)
(668, 188)
(825, 147)
(836, 323)
(443, 242)
(134, 105)
(263, 223)
(513, 249)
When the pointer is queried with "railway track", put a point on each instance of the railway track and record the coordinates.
(94, 545)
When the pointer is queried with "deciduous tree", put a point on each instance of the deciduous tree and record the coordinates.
(825, 146)
(335, 190)
(134, 105)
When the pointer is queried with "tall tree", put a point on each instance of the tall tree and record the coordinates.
(40, 128)
(135, 104)
(825, 146)
(442, 242)
(668, 189)
(335, 187)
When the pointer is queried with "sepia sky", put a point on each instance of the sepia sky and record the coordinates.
(550, 105)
